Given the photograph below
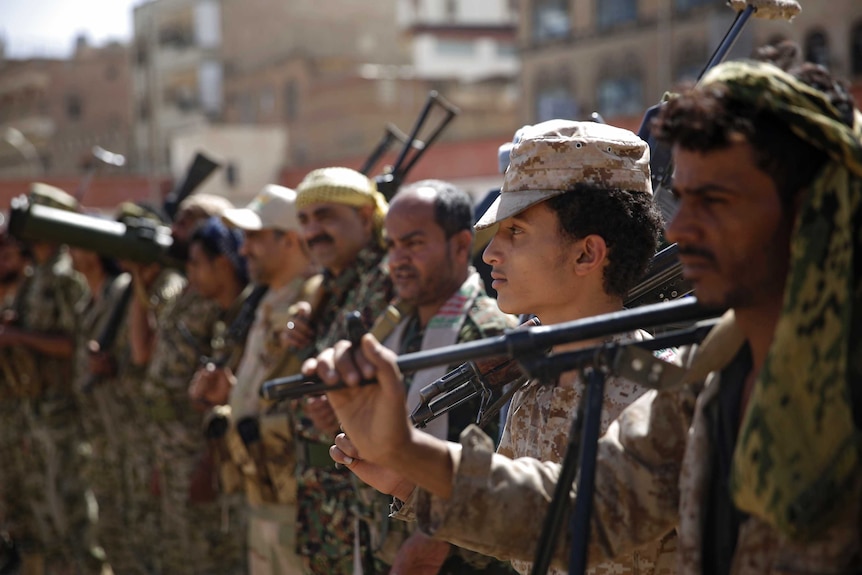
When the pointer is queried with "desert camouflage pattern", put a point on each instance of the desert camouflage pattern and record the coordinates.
(105, 410)
(45, 495)
(538, 425)
(554, 156)
(654, 464)
(143, 508)
(326, 497)
(199, 532)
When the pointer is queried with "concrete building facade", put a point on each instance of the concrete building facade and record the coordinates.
(53, 112)
(617, 57)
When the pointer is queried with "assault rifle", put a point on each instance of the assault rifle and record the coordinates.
(413, 148)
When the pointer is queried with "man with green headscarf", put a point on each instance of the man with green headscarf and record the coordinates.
(755, 458)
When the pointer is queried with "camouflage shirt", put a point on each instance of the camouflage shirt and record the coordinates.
(184, 336)
(655, 463)
(538, 426)
(48, 300)
(325, 495)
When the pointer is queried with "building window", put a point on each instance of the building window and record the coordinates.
(856, 50)
(817, 48)
(550, 20)
(455, 48)
(266, 102)
(620, 96)
(614, 12)
(176, 36)
(291, 100)
(555, 99)
(686, 5)
(73, 107)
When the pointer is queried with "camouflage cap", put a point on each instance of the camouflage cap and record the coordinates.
(554, 156)
(53, 197)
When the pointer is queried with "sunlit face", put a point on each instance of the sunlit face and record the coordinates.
(533, 263)
(264, 254)
(732, 231)
(335, 233)
(426, 267)
(204, 274)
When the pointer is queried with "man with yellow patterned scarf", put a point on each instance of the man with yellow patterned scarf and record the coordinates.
(341, 214)
(756, 457)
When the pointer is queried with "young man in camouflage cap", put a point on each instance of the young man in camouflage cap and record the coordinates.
(341, 213)
(576, 228)
(758, 464)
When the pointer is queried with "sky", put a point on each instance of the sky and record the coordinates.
(48, 28)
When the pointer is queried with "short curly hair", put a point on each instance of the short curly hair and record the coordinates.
(705, 120)
(629, 222)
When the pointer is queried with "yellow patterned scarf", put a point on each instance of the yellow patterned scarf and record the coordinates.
(798, 446)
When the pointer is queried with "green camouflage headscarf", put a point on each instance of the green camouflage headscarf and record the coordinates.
(798, 447)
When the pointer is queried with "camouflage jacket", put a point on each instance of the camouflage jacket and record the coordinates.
(538, 426)
(183, 337)
(364, 287)
(325, 496)
(46, 304)
(93, 314)
(655, 463)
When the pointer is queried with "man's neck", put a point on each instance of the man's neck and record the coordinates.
(228, 295)
(582, 308)
(427, 311)
(758, 325)
(302, 269)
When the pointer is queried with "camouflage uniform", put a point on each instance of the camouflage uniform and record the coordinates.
(325, 495)
(143, 509)
(272, 519)
(538, 426)
(198, 531)
(45, 491)
(106, 409)
(656, 465)
(484, 319)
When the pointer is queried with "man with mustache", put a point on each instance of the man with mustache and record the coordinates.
(758, 465)
(341, 214)
(429, 239)
(575, 213)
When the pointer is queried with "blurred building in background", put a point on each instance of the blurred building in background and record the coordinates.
(272, 88)
(617, 57)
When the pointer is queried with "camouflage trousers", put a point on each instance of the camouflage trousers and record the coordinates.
(202, 532)
(329, 526)
(108, 426)
(45, 497)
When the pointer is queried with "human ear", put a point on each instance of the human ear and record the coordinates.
(592, 254)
